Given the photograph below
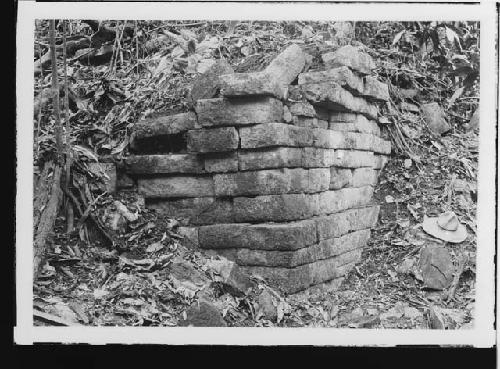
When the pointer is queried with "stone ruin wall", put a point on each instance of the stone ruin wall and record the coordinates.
(278, 172)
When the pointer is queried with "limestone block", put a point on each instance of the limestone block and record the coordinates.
(306, 255)
(206, 85)
(267, 236)
(213, 140)
(302, 108)
(220, 163)
(332, 96)
(359, 124)
(340, 177)
(235, 112)
(380, 161)
(375, 89)
(342, 117)
(313, 157)
(287, 65)
(328, 139)
(178, 186)
(275, 134)
(345, 198)
(276, 208)
(281, 157)
(337, 224)
(164, 125)
(365, 141)
(342, 75)
(307, 122)
(353, 159)
(188, 208)
(364, 177)
(251, 84)
(351, 57)
(164, 164)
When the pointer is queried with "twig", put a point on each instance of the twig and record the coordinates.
(55, 88)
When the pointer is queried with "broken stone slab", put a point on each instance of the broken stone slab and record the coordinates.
(212, 140)
(292, 280)
(342, 75)
(178, 186)
(306, 255)
(207, 85)
(287, 65)
(436, 267)
(275, 134)
(363, 177)
(340, 178)
(203, 314)
(332, 96)
(302, 108)
(164, 164)
(236, 112)
(307, 122)
(351, 57)
(272, 181)
(275, 208)
(345, 198)
(164, 125)
(251, 84)
(375, 89)
(221, 163)
(434, 117)
(338, 224)
(267, 236)
(359, 123)
(281, 157)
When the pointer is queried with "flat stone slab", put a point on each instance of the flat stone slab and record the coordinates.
(353, 159)
(164, 164)
(275, 134)
(332, 96)
(164, 125)
(251, 84)
(290, 259)
(346, 198)
(359, 124)
(338, 224)
(270, 236)
(351, 57)
(313, 157)
(212, 140)
(235, 112)
(308, 122)
(292, 280)
(281, 157)
(341, 75)
(178, 186)
(272, 181)
(221, 163)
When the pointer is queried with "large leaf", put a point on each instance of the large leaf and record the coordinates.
(398, 37)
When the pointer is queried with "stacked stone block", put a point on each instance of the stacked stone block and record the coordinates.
(277, 173)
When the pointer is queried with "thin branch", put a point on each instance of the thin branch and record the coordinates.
(55, 88)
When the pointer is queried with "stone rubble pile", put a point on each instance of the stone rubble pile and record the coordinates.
(278, 172)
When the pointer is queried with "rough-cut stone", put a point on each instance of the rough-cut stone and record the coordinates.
(271, 236)
(251, 84)
(340, 178)
(185, 186)
(328, 139)
(213, 140)
(359, 124)
(232, 275)
(266, 306)
(275, 134)
(206, 85)
(234, 112)
(203, 314)
(164, 125)
(164, 164)
(434, 116)
(281, 157)
(342, 75)
(287, 65)
(307, 122)
(302, 108)
(272, 181)
(221, 163)
(306, 255)
(351, 57)
(363, 177)
(292, 280)
(313, 157)
(345, 198)
(277, 208)
(335, 225)
(436, 266)
(353, 159)
(332, 96)
(375, 89)
(365, 141)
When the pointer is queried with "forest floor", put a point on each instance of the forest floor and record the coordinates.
(157, 276)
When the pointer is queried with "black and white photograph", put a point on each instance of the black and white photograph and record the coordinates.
(258, 173)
